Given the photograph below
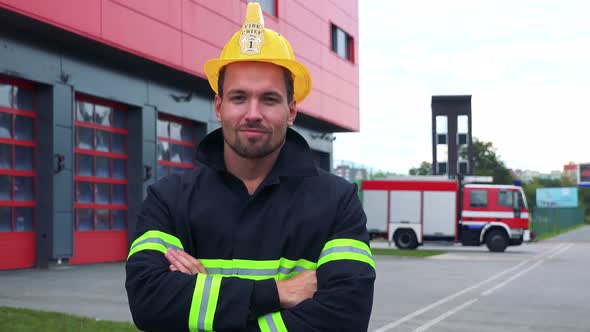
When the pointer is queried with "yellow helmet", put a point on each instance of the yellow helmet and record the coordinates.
(256, 43)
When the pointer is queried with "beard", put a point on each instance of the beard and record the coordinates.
(253, 147)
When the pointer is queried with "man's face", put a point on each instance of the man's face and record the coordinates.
(254, 111)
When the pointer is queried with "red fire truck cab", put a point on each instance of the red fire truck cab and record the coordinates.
(410, 211)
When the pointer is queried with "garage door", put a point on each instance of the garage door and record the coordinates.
(176, 145)
(17, 174)
(100, 181)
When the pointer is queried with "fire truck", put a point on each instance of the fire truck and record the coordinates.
(412, 210)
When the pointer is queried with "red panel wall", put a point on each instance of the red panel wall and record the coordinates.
(100, 246)
(185, 33)
(17, 250)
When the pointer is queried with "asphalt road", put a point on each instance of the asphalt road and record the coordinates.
(534, 287)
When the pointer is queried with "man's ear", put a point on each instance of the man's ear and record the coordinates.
(292, 113)
(217, 106)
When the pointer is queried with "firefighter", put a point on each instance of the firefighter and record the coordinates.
(256, 238)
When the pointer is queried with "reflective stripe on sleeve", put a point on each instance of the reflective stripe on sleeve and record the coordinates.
(204, 303)
(155, 240)
(272, 322)
(346, 249)
(279, 269)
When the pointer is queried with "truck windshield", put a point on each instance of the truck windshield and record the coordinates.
(478, 198)
(521, 200)
(506, 198)
(511, 199)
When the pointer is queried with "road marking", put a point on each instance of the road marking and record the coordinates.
(561, 250)
(549, 251)
(444, 316)
(416, 313)
(447, 299)
(505, 282)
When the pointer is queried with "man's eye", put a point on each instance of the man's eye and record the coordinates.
(270, 100)
(237, 99)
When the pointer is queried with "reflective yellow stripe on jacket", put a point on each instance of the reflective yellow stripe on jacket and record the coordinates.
(279, 269)
(206, 292)
(346, 249)
(204, 303)
(155, 240)
(272, 322)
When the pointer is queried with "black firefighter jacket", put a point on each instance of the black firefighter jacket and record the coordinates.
(300, 218)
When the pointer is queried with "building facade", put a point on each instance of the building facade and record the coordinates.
(570, 171)
(351, 174)
(100, 98)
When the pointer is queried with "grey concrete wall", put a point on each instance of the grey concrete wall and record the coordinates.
(63, 182)
(44, 156)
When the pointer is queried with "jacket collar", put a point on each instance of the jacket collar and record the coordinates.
(295, 158)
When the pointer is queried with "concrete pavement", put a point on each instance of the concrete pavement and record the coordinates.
(96, 290)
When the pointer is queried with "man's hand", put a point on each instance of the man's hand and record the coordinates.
(183, 262)
(299, 288)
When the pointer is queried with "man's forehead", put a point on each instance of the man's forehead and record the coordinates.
(253, 65)
(251, 74)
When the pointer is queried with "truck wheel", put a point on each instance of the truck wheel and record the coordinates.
(405, 239)
(497, 241)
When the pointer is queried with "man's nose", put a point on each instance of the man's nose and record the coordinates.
(253, 111)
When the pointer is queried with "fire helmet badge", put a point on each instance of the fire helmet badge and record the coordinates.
(252, 38)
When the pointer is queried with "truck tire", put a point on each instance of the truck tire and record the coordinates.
(496, 241)
(405, 239)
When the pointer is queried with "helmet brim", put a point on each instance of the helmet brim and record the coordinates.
(301, 76)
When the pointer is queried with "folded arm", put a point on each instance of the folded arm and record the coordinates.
(165, 300)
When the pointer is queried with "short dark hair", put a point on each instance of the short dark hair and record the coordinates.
(286, 76)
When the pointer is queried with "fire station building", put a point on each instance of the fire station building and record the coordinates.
(100, 98)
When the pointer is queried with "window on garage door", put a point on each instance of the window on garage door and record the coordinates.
(176, 145)
(17, 156)
(101, 165)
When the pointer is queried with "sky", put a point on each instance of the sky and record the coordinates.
(526, 64)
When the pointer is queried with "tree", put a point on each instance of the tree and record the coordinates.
(380, 175)
(425, 168)
(487, 162)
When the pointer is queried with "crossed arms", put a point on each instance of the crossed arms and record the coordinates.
(291, 291)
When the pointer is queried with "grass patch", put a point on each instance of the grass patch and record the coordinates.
(407, 253)
(21, 320)
(549, 235)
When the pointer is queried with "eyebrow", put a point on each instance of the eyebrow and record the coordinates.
(236, 91)
(273, 94)
(264, 94)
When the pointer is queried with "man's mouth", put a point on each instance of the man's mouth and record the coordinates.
(257, 130)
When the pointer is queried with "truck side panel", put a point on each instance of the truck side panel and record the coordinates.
(405, 212)
(405, 207)
(440, 213)
(375, 206)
